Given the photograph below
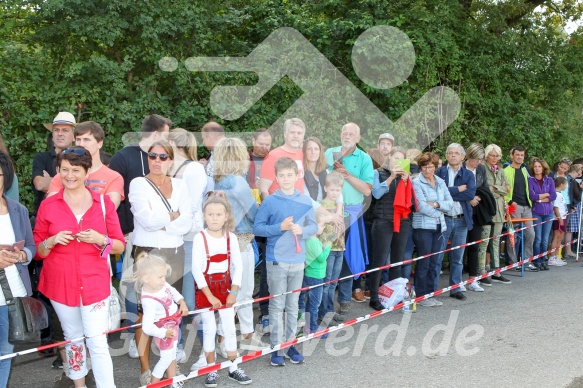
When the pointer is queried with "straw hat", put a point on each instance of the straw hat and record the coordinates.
(62, 118)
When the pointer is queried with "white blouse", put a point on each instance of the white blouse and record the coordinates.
(151, 215)
(7, 238)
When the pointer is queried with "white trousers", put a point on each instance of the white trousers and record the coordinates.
(89, 321)
(245, 292)
(166, 358)
(209, 329)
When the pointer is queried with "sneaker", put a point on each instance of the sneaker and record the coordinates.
(555, 262)
(220, 349)
(301, 320)
(358, 295)
(486, 282)
(543, 266)
(531, 267)
(211, 379)
(367, 295)
(253, 344)
(427, 302)
(58, 363)
(146, 377)
(181, 356)
(462, 288)
(294, 356)
(200, 363)
(337, 318)
(475, 286)
(178, 384)
(561, 262)
(133, 350)
(240, 377)
(500, 279)
(265, 324)
(344, 307)
(519, 268)
(277, 360)
(437, 303)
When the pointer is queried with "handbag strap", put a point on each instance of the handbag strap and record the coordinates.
(6, 288)
(157, 190)
(182, 165)
(105, 222)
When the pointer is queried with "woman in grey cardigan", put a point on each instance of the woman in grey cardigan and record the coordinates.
(15, 226)
(429, 224)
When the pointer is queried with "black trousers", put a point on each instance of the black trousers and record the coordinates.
(384, 241)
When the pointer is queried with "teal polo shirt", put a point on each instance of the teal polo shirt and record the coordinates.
(358, 164)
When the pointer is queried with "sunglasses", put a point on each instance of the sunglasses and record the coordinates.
(76, 151)
(163, 157)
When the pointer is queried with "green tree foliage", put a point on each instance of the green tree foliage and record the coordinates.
(519, 76)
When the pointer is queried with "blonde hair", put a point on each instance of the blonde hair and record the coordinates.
(412, 154)
(219, 197)
(334, 178)
(184, 141)
(230, 157)
(145, 265)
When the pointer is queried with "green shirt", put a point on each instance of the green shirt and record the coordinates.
(358, 164)
(316, 258)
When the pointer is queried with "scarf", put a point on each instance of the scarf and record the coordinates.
(404, 199)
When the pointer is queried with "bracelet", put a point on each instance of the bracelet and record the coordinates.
(45, 245)
(233, 292)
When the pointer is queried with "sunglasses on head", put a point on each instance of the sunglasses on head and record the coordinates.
(76, 151)
(163, 157)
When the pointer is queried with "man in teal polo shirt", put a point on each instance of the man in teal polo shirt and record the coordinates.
(357, 170)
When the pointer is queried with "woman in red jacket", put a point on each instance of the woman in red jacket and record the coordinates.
(74, 238)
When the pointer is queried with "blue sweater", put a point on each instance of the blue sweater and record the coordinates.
(281, 246)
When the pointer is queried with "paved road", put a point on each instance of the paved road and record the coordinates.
(525, 334)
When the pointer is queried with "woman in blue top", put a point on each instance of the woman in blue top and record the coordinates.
(231, 163)
(429, 224)
(542, 193)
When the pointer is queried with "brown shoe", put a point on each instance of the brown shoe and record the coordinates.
(367, 295)
(358, 295)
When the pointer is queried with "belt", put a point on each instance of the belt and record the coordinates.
(454, 217)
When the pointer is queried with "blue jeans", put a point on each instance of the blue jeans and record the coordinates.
(333, 268)
(314, 298)
(283, 277)
(406, 268)
(457, 232)
(188, 281)
(345, 286)
(427, 241)
(5, 347)
(541, 236)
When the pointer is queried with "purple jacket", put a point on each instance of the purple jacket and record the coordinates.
(534, 190)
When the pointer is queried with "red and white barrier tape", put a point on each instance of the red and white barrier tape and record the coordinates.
(257, 300)
(252, 356)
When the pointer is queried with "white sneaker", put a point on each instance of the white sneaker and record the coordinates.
(427, 302)
(133, 351)
(462, 288)
(181, 356)
(475, 286)
(220, 349)
(201, 363)
(561, 263)
(555, 262)
(437, 302)
(253, 344)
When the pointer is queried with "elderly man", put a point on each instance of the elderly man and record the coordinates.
(44, 163)
(357, 169)
(293, 134)
(462, 187)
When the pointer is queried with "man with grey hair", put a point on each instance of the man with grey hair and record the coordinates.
(357, 169)
(462, 187)
(293, 132)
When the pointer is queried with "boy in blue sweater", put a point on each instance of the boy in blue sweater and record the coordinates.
(285, 217)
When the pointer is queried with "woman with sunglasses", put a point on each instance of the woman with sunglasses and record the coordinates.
(542, 193)
(499, 187)
(162, 216)
(74, 239)
(434, 200)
